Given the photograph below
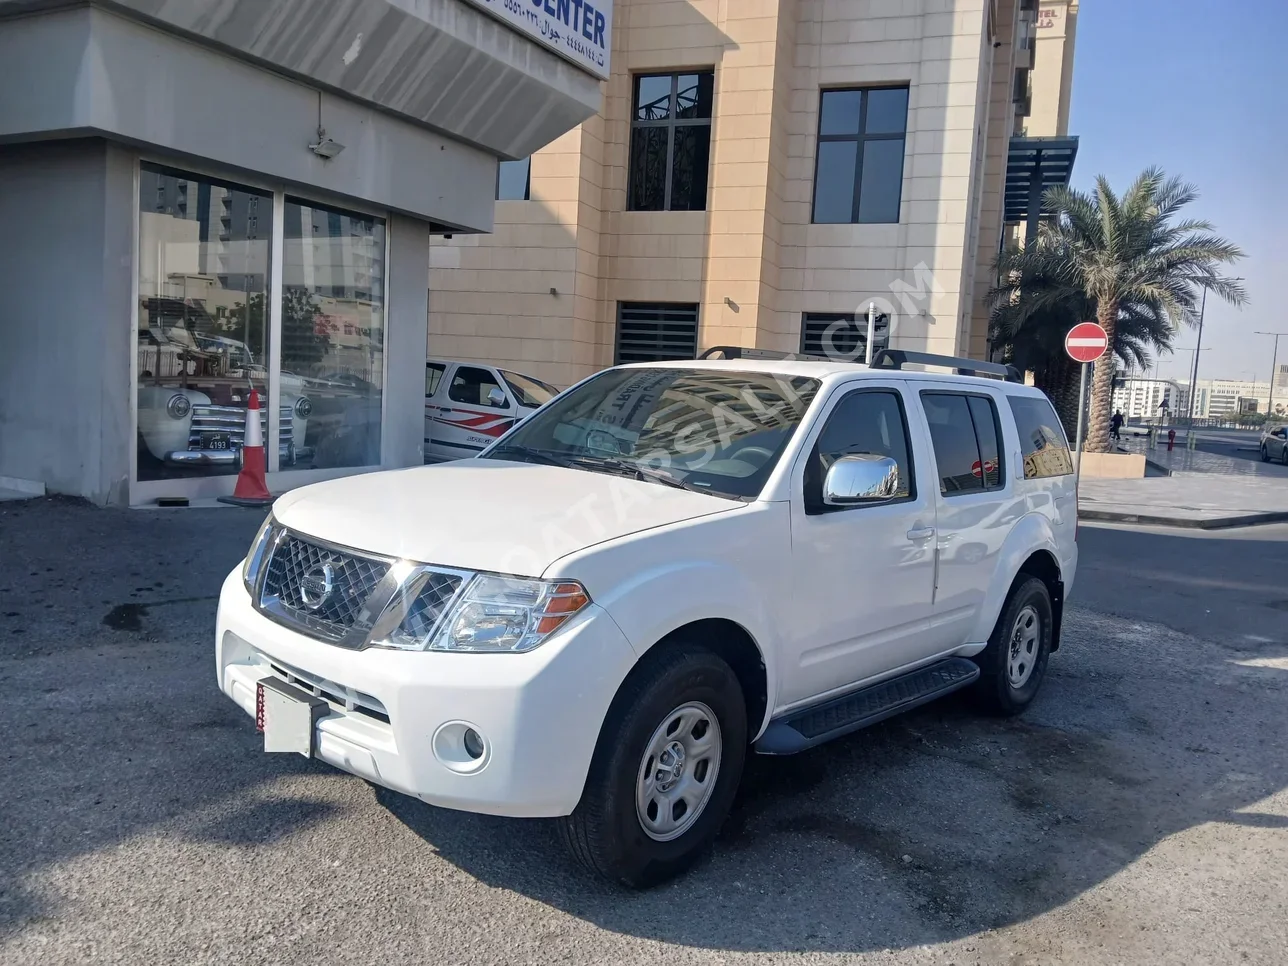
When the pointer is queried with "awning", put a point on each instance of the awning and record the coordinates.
(1032, 166)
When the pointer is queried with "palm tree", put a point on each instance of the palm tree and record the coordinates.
(1123, 255)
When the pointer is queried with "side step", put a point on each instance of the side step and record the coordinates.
(812, 726)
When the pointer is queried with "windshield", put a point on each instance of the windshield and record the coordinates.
(714, 431)
(528, 391)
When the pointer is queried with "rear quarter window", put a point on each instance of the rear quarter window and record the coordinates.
(1042, 441)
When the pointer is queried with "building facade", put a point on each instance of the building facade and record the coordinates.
(1149, 399)
(220, 196)
(762, 174)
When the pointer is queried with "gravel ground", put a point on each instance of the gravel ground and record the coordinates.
(1136, 814)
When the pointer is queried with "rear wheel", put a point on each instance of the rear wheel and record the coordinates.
(1014, 663)
(664, 774)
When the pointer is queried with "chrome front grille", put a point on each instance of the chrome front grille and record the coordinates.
(349, 598)
(231, 421)
(319, 588)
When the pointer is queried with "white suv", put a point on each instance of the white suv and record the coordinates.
(667, 567)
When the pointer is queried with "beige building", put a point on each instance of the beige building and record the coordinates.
(760, 173)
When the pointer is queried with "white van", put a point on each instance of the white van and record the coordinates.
(469, 404)
(667, 567)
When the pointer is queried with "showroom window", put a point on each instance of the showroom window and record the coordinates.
(202, 336)
(842, 335)
(514, 180)
(656, 331)
(858, 176)
(670, 141)
(333, 334)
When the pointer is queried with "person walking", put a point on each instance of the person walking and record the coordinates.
(1116, 425)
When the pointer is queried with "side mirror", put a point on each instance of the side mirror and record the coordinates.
(495, 397)
(859, 479)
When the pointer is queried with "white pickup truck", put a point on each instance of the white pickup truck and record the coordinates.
(665, 568)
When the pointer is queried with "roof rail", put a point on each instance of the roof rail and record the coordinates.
(739, 352)
(898, 358)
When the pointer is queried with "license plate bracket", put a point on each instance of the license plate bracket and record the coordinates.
(287, 716)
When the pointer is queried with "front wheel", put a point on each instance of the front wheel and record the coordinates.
(664, 773)
(1014, 663)
(1265, 454)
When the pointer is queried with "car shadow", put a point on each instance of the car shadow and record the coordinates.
(934, 826)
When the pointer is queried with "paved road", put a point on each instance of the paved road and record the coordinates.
(1137, 814)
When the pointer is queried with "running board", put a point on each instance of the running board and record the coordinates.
(814, 725)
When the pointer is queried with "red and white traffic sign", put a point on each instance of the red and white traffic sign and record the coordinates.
(1086, 342)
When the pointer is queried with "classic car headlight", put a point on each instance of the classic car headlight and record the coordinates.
(178, 406)
(497, 614)
(303, 407)
(255, 558)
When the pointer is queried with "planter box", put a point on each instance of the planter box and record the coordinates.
(1114, 466)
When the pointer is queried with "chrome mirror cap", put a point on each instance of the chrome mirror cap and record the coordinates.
(495, 397)
(854, 480)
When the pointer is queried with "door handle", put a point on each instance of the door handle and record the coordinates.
(921, 533)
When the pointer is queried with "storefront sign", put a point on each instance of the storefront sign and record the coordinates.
(579, 30)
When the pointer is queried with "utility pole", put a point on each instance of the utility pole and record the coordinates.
(1194, 375)
(1274, 371)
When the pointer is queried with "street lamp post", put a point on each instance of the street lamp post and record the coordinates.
(1194, 365)
(1194, 374)
(1274, 370)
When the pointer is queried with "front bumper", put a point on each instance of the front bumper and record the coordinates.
(539, 713)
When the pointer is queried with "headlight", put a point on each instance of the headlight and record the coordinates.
(178, 406)
(496, 614)
(255, 558)
(303, 407)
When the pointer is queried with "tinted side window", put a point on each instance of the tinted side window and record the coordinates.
(952, 432)
(988, 432)
(471, 385)
(433, 376)
(864, 422)
(1042, 439)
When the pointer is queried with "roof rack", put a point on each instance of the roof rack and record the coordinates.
(898, 358)
(739, 352)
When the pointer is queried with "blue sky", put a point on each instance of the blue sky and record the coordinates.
(1200, 88)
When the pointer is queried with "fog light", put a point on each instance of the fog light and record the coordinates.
(473, 743)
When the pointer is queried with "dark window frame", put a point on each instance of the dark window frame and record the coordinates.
(456, 374)
(861, 139)
(813, 504)
(670, 122)
(659, 308)
(440, 368)
(1002, 481)
(857, 319)
(527, 179)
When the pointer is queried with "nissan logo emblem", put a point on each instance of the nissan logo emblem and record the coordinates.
(316, 586)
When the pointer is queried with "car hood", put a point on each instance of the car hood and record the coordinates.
(493, 515)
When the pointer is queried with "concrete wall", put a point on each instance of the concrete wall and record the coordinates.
(753, 261)
(406, 295)
(65, 336)
(104, 74)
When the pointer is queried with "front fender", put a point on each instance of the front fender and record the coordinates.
(1030, 534)
(659, 600)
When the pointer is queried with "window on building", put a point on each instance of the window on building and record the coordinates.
(858, 176)
(866, 422)
(514, 180)
(964, 431)
(655, 331)
(842, 335)
(1042, 441)
(670, 141)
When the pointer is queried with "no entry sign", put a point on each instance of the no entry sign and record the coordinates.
(1086, 342)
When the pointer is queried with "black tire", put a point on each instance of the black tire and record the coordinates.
(605, 833)
(1265, 454)
(1283, 455)
(994, 691)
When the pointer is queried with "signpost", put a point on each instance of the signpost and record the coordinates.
(1085, 343)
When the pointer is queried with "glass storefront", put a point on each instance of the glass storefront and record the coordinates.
(204, 253)
(333, 331)
(212, 326)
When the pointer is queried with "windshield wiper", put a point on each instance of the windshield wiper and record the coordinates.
(610, 464)
(539, 456)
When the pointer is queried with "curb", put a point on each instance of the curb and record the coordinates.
(1189, 523)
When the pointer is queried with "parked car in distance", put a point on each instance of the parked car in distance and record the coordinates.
(667, 567)
(1274, 445)
(469, 404)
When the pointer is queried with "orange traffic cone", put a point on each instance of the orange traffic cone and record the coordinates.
(251, 488)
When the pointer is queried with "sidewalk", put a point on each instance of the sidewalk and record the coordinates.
(1186, 462)
(1208, 500)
